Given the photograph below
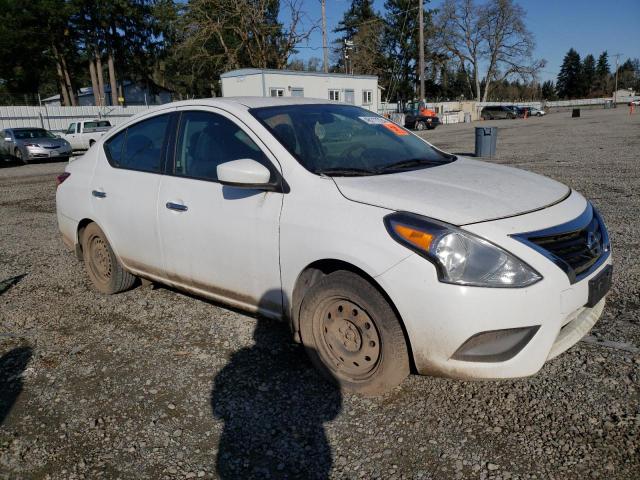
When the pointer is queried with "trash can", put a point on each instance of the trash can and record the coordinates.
(486, 138)
(575, 113)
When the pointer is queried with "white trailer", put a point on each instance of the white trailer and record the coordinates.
(360, 90)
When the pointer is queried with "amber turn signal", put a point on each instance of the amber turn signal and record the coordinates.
(418, 238)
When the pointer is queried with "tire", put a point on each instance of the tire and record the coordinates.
(20, 157)
(343, 316)
(420, 126)
(105, 271)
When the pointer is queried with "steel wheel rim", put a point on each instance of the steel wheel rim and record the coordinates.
(100, 259)
(350, 338)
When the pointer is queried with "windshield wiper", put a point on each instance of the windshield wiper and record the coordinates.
(407, 164)
(345, 172)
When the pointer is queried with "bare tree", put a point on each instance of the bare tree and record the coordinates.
(490, 41)
(229, 34)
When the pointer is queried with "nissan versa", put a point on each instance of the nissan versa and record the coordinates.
(380, 250)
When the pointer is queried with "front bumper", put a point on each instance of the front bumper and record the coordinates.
(34, 153)
(440, 318)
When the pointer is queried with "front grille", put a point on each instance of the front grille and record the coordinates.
(50, 147)
(578, 247)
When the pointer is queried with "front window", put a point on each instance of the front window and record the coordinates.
(207, 140)
(33, 133)
(343, 140)
(71, 129)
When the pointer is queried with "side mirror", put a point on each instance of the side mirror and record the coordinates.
(244, 173)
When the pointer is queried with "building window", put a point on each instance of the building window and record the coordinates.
(334, 95)
(367, 97)
(297, 92)
(277, 92)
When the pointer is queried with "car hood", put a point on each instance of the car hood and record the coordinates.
(45, 142)
(462, 192)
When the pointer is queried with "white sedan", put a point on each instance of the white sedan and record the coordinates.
(380, 250)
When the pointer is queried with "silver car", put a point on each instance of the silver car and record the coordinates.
(29, 143)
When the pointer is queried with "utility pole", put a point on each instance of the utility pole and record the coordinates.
(421, 40)
(325, 50)
(615, 89)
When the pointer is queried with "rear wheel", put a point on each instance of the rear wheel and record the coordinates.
(105, 271)
(420, 126)
(352, 334)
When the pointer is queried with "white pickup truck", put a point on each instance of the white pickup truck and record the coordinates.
(81, 135)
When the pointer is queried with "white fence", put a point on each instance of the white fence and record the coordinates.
(57, 118)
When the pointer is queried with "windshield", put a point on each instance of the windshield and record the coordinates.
(345, 140)
(33, 133)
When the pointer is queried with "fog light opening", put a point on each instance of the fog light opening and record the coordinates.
(495, 345)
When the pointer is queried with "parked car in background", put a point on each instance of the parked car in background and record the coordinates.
(635, 102)
(380, 250)
(27, 144)
(497, 112)
(82, 135)
(532, 111)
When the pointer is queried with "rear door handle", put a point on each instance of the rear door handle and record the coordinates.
(98, 194)
(178, 207)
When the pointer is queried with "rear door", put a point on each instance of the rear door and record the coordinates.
(124, 191)
(219, 240)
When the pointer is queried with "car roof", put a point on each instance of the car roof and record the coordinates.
(249, 102)
(17, 129)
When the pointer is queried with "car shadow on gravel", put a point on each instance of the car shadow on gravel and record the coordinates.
(274, 405)
(12, 364)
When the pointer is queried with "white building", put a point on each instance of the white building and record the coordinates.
(360, 90)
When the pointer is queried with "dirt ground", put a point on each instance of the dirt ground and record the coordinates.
(153, 383)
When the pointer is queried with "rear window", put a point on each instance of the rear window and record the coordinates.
(97, 124)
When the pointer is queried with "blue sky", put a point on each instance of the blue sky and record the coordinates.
(589, 26)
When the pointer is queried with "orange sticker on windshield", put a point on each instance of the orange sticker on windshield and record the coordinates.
(395, 128)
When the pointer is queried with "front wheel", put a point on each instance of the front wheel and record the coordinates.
(105, 271)
(352, 335)
(20, 156)
(420, 126)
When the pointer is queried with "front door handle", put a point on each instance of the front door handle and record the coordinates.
(98, 194)
(178, 207)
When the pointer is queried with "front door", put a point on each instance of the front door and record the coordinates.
(217, 240)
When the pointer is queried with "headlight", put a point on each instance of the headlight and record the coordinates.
(460, 257)
(31, 145)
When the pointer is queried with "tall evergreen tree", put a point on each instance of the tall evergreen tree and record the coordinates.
(548, 90)
(588, 76)
(362, 27)
(603, 75)
(569, 80)
(603, 69)
(401, 45)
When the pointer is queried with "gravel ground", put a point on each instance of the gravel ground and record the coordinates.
(153, 383)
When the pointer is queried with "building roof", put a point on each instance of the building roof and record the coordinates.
(243, 72)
